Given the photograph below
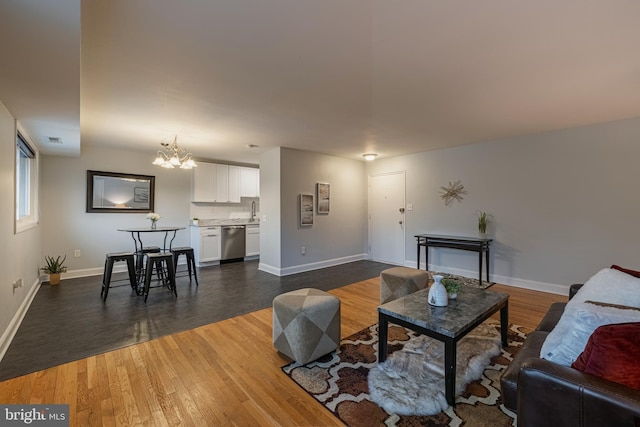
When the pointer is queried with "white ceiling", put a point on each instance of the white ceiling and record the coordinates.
(332, 76)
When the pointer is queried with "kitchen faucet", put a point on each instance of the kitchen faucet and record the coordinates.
(253, 211)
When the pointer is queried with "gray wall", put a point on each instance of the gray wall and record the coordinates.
(67, 226)
(19, 253)
(564, 203)
(334, 238)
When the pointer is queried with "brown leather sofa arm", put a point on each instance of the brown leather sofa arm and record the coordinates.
(553, 395)
(573, 289)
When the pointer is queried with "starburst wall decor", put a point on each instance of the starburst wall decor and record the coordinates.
(454, 191)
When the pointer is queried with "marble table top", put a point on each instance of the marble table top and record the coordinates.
(471, 305)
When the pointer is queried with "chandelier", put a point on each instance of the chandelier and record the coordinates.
(173, 156)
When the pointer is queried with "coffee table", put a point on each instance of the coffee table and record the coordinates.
(447, 324)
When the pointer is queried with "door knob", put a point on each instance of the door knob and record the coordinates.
(401, 210)
(400, 222)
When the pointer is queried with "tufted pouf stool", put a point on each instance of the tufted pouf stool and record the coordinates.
(306, 324)
(400, 281)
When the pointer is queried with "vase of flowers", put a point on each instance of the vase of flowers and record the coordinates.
(154, 218)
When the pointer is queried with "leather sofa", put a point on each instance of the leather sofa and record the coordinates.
(543, 393)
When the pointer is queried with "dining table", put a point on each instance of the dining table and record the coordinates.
(136, 235)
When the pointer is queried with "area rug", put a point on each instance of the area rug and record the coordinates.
(468, 281)
(339, 381)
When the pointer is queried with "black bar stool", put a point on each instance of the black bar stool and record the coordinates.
(110, 259)
(163, 263)
(140, 254)
(191, 260)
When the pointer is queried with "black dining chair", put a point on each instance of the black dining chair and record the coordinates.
(163, 264)
(109, 261)
(191, 260)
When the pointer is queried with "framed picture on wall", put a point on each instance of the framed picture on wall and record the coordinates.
(323, 193)
(305, 202)
(140, 194)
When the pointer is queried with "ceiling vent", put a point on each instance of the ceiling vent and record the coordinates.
(55, 140)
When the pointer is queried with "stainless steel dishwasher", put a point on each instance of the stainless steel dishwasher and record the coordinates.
(233, 242)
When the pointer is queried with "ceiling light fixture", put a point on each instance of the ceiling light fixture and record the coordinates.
(370, 156)
(174, 156)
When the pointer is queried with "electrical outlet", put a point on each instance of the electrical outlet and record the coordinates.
(76, 253)
(303, 250)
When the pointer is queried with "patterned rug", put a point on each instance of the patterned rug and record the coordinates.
(464, 280)
(339, 382)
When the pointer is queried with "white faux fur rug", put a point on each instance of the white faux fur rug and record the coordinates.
(411, 380)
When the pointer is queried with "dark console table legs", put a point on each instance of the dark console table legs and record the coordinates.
(479, 245)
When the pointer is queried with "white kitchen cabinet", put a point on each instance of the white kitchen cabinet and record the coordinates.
(206, 244)
(215, 183)
(252, 240)
(227, 184)
(203, 180)
(234, 184)
(249, 182)
(222, 183)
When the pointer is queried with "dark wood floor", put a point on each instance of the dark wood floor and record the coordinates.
(70, 322)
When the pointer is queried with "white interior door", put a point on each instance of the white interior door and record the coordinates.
(386, 217)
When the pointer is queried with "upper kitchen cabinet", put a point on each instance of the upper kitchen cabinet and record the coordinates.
(203, 180)
(215, 183)
(249, 182)
(227, 184)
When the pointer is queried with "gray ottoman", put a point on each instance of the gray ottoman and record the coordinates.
(306, 324)
(400, 281)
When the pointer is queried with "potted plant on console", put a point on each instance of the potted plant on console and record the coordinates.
(54, 267)
(483, 221)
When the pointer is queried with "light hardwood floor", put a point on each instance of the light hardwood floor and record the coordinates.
(221, 374)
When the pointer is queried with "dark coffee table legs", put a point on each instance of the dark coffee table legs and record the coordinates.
(383, 326)
(504, 323)
(450, 347)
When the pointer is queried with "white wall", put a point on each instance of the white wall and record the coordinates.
(334, 238)
(67, 226)
(565, 204)
(19, 253)
(270, 225)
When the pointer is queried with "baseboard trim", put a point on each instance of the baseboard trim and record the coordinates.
(551, 288)
(311, 266)
(97, 271)
(10, 332)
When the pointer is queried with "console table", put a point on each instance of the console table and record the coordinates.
(474, 244)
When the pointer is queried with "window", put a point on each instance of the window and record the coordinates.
(26, 184)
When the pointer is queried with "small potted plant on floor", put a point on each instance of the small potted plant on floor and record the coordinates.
(452, 286)
(54, 267)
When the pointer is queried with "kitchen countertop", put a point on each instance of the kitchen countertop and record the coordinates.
(227, 221)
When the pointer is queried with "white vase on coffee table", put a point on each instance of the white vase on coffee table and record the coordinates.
(438, 295)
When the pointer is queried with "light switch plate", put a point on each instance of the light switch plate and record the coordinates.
(410, 206)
